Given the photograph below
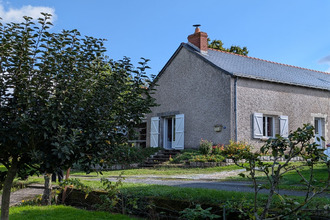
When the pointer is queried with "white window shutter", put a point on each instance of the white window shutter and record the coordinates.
(284, 126)
(154, 132)
(257, 125)
(179, 132)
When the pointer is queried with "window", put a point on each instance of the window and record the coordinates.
(266, 126)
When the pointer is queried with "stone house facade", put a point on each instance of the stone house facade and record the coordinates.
(221, 96)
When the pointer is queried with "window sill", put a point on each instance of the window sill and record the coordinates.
(265, 138)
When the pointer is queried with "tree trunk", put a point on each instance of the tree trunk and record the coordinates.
(66, 187)
(5, 201)
(47, 196)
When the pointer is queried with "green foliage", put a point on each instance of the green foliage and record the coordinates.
(125, 154)
(207, 158)
(242, 207)
(218, 149)
(197, 213)
(35, 201)
(77, 184)
(60, 212)
(160, 171)
(112, 198)
(184, 156)
(205, 147)
(62, 100)
(298, 144)
(218, 45)
(236, 150)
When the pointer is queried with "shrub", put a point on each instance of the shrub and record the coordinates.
(235, 148)
(297, 144)
(126, 154)
(218, 149)
(184, 156)
(207, 158)
(198, 213)
(205, 147)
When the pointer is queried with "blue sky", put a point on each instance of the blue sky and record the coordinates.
(294, 32)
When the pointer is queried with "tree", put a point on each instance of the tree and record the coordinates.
(283, 150)
(218, 45)
(62, 100)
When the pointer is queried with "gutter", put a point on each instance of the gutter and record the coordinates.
(235, 106)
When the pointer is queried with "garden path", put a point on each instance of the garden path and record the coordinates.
(24, 194)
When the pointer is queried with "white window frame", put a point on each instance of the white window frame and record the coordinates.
(265, 126)
(321, 131)
(260, 127)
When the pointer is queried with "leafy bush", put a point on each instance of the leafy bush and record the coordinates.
(197, 213)
(184, 156)
(207, 158)
(126, 154)
(297, 144)
(205, 147)
(218, 149)
(235, 148)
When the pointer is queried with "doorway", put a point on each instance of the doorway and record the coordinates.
(169, 132)
(319, 127)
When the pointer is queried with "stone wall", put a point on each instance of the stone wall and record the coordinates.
(192, 87)
(300, 104)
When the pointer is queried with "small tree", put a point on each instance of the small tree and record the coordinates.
(61, 101)
(298, 144)
(218, 45)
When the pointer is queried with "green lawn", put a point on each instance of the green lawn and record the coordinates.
(196, 195)
(59, 212)
(162, 171)
(292, 180)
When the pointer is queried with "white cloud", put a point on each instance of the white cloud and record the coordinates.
(325, 60)
(16, 15)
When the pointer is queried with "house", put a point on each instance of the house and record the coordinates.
(221, 96)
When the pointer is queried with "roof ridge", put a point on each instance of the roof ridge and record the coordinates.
(255, 58)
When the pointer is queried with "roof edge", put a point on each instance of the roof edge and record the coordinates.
(268, 61)
(167, 63)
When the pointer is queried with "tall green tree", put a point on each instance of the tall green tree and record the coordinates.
(61, 100)
(218, 45)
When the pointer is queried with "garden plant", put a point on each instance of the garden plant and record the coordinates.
(298, 144)
(62, 101)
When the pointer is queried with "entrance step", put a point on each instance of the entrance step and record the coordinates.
(160, 157)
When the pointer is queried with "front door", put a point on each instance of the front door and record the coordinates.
(169, 132)
(319, 124)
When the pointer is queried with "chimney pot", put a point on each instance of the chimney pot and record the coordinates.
(199, 39)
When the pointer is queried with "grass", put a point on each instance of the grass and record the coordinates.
(197, 195)
(166, 171)
(59, 212)
(292, 180)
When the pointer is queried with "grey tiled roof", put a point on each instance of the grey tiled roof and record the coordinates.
(254, 68)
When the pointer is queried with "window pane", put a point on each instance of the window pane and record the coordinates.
(316, 125)
(269, 126)
(173, 129)
(264, 126)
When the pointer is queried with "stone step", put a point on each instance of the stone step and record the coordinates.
(159, 158)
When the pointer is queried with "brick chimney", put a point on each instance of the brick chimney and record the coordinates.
(199, 39)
